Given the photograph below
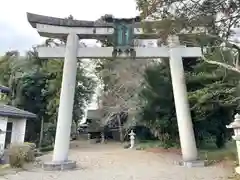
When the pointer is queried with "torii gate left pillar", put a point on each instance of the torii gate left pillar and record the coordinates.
(60, 159)
(64, 122)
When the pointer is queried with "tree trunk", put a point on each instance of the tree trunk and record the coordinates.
(41, 133)
(120, 127)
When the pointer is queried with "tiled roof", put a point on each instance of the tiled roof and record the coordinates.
(6, 110)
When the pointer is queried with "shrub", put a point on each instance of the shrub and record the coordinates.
(46, 149)
(32, 145)
(19, 154)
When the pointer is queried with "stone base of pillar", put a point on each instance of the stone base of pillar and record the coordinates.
(59, 166)
(192, 164)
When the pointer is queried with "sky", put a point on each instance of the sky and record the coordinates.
(17, 34)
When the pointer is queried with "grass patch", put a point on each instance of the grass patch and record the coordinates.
(147, 144)
(7, 169)
(234, 177)
(214, 155)
(142, 145)
(209, 153)
(46, 149)
(5, 166)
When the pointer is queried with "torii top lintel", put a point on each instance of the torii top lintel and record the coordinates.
(53, 27)
(58, 27)
(35, 19)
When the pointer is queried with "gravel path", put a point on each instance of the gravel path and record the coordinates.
(112, 162)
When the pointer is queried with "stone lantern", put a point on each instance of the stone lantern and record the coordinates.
(235, 125)
(132, 139)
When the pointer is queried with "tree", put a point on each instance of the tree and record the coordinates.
(35, 86)
(214, 99)
(85, 88)
(219, 19)
(210, 25)
(157, 102)
(212, 95)
(121, 80)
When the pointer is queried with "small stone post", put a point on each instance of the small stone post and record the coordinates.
(2, 144)
(132, 139)
(89, 137)
(102, 137)
(235, 125)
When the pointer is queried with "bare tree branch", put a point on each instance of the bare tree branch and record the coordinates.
(224, 65)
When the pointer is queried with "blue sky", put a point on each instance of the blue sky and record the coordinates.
(17, 34)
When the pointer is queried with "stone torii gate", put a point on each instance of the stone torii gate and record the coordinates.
(125, 30)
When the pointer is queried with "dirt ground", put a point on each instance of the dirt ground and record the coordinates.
(112, 162)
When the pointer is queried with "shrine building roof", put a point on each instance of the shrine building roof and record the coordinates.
(10, 111)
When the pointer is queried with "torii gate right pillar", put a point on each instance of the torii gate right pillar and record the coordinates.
(185, 126)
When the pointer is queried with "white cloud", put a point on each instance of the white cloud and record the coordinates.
(16, 33)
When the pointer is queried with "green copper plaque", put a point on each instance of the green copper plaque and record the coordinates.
(123, 35)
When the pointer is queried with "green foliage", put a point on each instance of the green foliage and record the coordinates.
(49, 135)
(19, 154)
(47, 148)
(84, 90)
(213, 100)
(214, 155)
(142, 145)
(35, 86)
(158, 112)
(212, 93)
(49, 132)
(217, 17)
(32, 145)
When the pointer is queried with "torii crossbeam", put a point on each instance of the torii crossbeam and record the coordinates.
(122, 33)
(106, 52)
